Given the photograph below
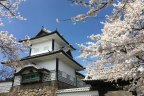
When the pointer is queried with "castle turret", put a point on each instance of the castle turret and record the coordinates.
(50, 59)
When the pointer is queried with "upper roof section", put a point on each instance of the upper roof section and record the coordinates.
(45, 34)
(48, 41)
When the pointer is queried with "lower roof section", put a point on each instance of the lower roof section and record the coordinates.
(99, 84)
(80, 75)
(54, 54)
(31, 67)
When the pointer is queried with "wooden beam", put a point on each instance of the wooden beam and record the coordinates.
(57, 68)
(53, 44)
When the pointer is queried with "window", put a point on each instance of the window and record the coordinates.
(31, 77)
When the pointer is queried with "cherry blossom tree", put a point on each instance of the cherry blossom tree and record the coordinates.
(94, 7)
(9, 9)
(9, 46)
(118, 52)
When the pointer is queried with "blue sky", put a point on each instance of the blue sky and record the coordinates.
(44, 13)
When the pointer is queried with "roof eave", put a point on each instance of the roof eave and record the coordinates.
(55, 32)
(77, 73)
(81, 67)
(60, 51)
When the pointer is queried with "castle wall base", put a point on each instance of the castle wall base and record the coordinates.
(36, 89)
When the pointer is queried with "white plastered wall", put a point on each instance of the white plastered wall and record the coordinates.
(88, 93)
(41, 47)
(56, 46)
(5, 87)
(17, 80)
(47, 64)
(63, 66)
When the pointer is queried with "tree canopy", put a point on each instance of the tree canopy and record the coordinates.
(118, 52)
(9, 46)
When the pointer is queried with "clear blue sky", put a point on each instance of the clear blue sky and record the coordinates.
(44, 13)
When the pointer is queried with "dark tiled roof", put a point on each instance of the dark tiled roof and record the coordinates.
(54, 32)
(103, 82)
(31, 67)
(42, 33)
(50, 53)
(40, 55)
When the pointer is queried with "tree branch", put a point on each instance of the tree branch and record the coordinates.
(7, 8)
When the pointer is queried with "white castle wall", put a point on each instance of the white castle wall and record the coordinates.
(63, 66)
(5, 87)
(47, 64)
(17, 80)
(57, 46)
(83, 91)
(41, 47)
(89, 93)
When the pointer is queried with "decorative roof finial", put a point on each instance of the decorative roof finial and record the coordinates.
(45, 30)
(56, 29)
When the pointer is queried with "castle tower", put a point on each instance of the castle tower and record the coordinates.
(50, 60)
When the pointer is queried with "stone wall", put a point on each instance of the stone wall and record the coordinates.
(3, 94)
(37, 89)
(118, 93)
(45, 91)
